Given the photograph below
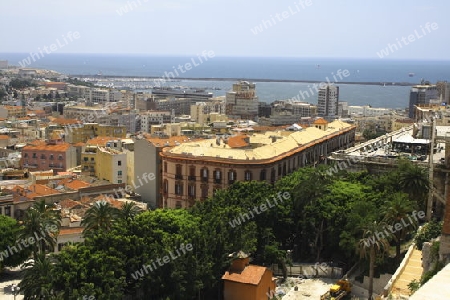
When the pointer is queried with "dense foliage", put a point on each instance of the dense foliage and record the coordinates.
(182, 254)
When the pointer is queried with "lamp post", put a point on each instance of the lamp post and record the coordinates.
(15, 290)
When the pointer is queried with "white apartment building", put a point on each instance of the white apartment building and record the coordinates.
(367, 111)
(328, 100)
(150, 118)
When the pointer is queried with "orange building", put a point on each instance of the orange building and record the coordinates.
(53, 154)
(196, 169)
(247, 282)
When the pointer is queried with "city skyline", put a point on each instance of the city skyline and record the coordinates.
(301, 28)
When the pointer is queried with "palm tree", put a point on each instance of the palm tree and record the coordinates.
(129, 210)
(414, 180)
(373, 243)
(37, 279)
(396, 211)
(41, 223)
(100, 216)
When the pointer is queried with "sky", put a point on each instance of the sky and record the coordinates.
(263, 28)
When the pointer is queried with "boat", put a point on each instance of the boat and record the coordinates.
(411, 74)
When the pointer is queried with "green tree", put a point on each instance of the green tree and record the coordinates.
(41, 224)
(129, 210)
(100, 216)
(9, 233)
(37, 282)
(371, 245)
(398, 208)
(413, 180)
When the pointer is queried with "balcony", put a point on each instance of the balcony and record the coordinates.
(179, 177)
(192, 178)
(204, 179)
(231, 181)
(218, 181)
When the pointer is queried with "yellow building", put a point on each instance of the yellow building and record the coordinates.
(111, 165)
(80, 133)
(195, 170)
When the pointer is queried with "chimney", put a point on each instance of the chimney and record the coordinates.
(240, 261)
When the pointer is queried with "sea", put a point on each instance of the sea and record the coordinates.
(374, 82)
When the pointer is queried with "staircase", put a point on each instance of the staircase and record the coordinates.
(413, 270)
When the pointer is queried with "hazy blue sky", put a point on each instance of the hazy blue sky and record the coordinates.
(325, 28)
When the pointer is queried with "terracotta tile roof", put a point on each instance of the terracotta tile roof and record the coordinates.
(42, 146)
(320, 121)
(238, 141)
(42, 190)
(4, 137)
(171, 141)
(250, 275)
(73, 184)
(100, 141)
(80, 144)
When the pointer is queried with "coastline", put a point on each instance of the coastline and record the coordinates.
(246, 79)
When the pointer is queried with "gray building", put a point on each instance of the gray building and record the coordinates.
(421, 95)
(147, 161)
(327, 102)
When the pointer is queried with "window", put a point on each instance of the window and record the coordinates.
(43, 156)
(60, 157)
(217, 176)
(119, 162)
(178, 189)
(8, 211)
(165, 167)
(191, 191)
(119, 173)
(92, 159)
(262, 175)
(279, 170)
(231, 176)
(191, 173)
(25, 155)
(166, 186)
(34, 155)
(248, 175)
(51, 157)
(178, 170)
(204, 192)
(178, 204)
(85, 158)
(119, 181)
(204, 174)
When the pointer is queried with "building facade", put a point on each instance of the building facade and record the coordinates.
(328, 102)
(242, 101)
(195, 170)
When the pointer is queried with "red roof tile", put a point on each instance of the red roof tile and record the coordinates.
(250, 275)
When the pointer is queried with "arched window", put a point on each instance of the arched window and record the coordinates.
(204, 174)
(231, 176)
